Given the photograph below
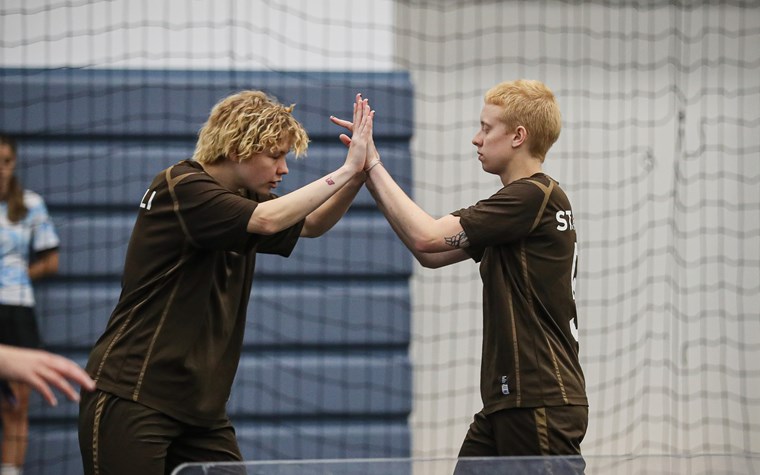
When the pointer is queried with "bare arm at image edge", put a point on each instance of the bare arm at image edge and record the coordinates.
(41, 369)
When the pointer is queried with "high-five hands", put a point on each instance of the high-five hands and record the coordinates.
(372, 154)
(361, 135)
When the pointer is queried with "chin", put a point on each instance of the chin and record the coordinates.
(254, 190)
(492, 172)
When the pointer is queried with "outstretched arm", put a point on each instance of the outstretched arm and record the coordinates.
(326, 216)
(40, 369)
(273, 216)
(432, 260)
(422, 233)
(434, 242)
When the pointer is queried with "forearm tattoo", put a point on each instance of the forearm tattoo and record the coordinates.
(458, 240)
(329, 180)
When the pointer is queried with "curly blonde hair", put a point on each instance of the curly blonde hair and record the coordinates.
(531, 104)
(248, 122)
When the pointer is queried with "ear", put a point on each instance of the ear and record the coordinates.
(521, 134)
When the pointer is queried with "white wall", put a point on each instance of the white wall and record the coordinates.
(204, 34)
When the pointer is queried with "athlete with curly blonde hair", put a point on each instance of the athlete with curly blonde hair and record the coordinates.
(246, 123)
(164, 366)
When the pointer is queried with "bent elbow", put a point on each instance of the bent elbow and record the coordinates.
(423, 245)
(311, 232)
(263, 225)
(428, 261)
(312, 228)
(427, 264)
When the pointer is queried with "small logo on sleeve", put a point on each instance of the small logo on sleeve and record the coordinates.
(504, 385)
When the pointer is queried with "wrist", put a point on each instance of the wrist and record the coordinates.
(372, 164)
(349, 170)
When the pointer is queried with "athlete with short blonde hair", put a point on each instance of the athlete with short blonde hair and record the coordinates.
(523, 236)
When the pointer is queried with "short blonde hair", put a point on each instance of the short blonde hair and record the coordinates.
(531, 104)
(246, 123)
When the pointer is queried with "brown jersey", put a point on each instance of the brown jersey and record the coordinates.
(524, 238)
(173, 341)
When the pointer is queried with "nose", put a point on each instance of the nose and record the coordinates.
(282, 167)
(476, 139)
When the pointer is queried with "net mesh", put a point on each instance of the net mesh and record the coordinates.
(659, 154)
(656, 154)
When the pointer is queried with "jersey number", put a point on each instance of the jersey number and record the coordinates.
(574, 271)
(573, 275)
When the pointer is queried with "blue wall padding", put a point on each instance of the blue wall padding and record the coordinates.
(325, 371)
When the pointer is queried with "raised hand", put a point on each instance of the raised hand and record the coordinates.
(361, 134)
(372, 153)
(345, 124)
